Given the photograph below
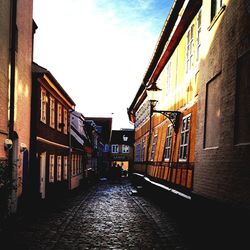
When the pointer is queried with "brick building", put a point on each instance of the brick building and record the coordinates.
(201, 147)
(50, 140)
(104, 129)
(15, 89)
(122, 148)
(222, 170)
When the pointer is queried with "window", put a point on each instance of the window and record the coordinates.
(59, 167)
(73, 161)
(72, 164)
(153, 148)
(189, 49)
(143, 150)
(167, 150)
(125, 149)
(77, 164)
(65, 167)
(52, 112)
(137, 152)
(43, 105)
(59, 117)
(168, 83)
(184, 138)
(51, 168)
(215, 7)
(115, 148)
(198, 50)
(65, 121)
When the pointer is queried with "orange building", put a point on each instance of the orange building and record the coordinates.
(194, 138)
(165, 129)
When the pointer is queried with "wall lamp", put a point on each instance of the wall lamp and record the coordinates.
(153, 93)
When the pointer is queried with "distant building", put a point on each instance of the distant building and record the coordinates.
(50, 139)
(78, 139)
(103, 126)
(122, 148)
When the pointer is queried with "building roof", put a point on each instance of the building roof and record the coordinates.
(40, 71)
(174, 27)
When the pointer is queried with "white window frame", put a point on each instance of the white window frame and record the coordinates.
(59, 167)
(198, 36)
(44, 100)
(51, 168)
(65, 121)
(153, 148)
(59, 116)
(65, 167)
(114, 148)
(189, 48)
(168, 142)
(125, 149)
(52, 112)
(184, 139)
(218, 5)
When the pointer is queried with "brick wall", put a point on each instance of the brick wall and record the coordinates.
(222, 172)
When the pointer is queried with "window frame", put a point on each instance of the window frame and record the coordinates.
(52, 111)
(65, 121)
(189, 48)
(114, 146)
(216, 6)
(137, 152)
(43, 105)
(125, 149)
(59, 117)
(198, 36)
(168, 142)
(154, 144)
(65, 167)
(143, 150)
(51, 168)
(59, 167)
(184, 143)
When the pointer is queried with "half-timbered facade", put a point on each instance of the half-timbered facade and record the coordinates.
(195, 139)
(165, 141)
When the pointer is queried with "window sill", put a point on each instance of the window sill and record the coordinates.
(211, 148)
(215, 18)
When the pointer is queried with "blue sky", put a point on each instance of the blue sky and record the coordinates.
(99, 50)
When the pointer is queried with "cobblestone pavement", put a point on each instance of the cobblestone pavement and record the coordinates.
(108, 216)
(105, 217)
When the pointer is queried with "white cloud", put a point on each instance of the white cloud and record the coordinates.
(97, 56)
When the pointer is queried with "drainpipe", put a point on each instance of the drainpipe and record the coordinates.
(13, 38)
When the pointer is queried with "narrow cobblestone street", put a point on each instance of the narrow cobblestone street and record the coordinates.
(105, 216)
